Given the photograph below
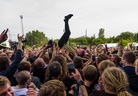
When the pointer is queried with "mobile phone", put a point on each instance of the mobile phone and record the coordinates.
(71, 68)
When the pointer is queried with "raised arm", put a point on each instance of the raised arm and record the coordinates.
(18, 57)
(78, 78)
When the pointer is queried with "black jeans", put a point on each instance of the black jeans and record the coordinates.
(64, 38)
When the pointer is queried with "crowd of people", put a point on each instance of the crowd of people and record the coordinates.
(57, 69)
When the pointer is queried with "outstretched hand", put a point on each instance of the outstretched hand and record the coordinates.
(3, 36)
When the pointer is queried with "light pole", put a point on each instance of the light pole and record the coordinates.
(21, 16)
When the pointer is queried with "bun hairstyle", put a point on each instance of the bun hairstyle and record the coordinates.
(115, 80)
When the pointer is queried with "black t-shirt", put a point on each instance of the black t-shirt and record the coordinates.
(100, 93)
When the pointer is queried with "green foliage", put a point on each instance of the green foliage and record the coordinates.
(98, 41)
(136, 37)
(101, 33)
(28, 47)
(3, 44)
(126, 36)
(112, 40)
(123, 42)
(36, 38)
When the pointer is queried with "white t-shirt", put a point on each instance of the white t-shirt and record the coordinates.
(19, 92)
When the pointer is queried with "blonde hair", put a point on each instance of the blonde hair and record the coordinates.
(136, 62)
(115, 80)
(105, 64)
(4, 81)
(53, 88)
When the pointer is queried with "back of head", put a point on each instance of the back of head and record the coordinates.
(117, 59)
(4, 63)
(23, 77)
(39, 63)
(90, 73)
(62, 62)
(24, 65)
(54, 69)
(78, 63)
(102, 57)
(105, 64)
(53, 88)
(129, 56)
(115, 80)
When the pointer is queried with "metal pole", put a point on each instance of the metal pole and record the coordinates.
(21, 16)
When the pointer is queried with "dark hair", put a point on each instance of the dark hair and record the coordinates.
(62, 62)
(54, 69)
(90, 73)
(102, 57)
(117, 58)
(4, 63)
(129, 56)
(24, 65)
(78, 63)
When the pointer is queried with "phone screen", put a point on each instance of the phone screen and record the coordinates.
(71, 68)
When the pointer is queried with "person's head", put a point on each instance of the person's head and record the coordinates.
(100, 58)
(105, 64)
(39, 63)
(115, 81)
(129, 57)
(90, 73)
(54, 70)
(4, 63)
(62, 62)
(5, 87)
(9, 54)
(23, 77)
(81, 52)
(32, 60)
(46, 58)
(24, 65)
(78, 63)
(116, 59)
(52, 88)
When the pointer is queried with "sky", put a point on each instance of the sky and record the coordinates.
(115, 16)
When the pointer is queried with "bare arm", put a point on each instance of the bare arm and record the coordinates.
(43, 52)
(66, 54)
(82, 89)
(89, 61)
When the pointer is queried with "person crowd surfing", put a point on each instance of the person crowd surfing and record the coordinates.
(58, 69)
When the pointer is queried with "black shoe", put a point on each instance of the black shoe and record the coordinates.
(68, 17)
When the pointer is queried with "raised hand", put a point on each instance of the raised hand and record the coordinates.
(20, 38)
(3, 36)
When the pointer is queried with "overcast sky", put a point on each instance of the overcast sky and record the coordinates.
(115, 16)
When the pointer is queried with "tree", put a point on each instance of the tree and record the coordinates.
(98, 41)
(90, 40)
(123, 43)
(126, 36)
(35, 38)
(101, 33)
(136, 37)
